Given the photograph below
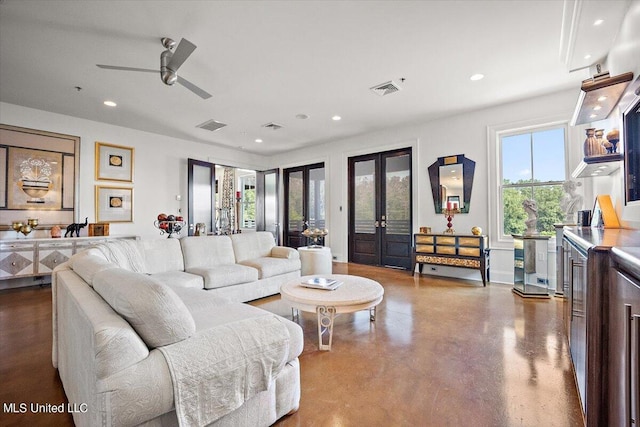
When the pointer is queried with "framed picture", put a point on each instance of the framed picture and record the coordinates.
(39, 176)
(114, 204)
(114, 162)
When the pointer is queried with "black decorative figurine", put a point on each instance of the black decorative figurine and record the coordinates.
(76, 227)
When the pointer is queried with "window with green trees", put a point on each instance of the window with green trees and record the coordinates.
(533, 166)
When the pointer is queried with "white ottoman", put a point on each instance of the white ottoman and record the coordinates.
(315, 260)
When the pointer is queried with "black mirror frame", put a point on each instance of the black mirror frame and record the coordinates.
(468, 169)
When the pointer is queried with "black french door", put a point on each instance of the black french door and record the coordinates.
(380, 215)
(304, 188)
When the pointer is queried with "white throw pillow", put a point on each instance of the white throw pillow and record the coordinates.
(87, 265)
(154, 310)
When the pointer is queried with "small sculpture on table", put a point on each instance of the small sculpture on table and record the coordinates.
(76, 227)
(571, 202)
(531, 208)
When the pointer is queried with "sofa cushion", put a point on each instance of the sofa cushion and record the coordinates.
(86, 265)
(162, 255)
(179, 279)
(225, 275)
(156, 313)
(252, 245)
(206, 251)
(269, 266)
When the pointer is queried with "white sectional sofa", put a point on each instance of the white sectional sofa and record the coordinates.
(153, 332)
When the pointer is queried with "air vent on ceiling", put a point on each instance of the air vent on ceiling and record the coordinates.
(272, 126)
(211, 125)
(385, 88)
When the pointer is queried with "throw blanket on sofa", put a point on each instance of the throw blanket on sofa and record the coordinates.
(124, 253)
(215, 371)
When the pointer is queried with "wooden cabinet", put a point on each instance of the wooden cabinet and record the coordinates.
(38, 257)
(602, 315)
(623, 370)
(453, 251)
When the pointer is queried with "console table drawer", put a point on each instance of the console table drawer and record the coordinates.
(446, 250)
(469, 241)
(474, 252)
(446, 240)
(424, 239)
(424, 248)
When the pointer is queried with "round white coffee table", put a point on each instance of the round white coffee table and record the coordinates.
(355, 294)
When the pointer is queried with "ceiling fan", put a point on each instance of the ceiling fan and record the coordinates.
(170, 62)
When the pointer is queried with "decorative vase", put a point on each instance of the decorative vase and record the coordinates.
(603, 144)
(476, 231)
(591, 145)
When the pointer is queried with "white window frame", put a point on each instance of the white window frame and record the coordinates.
(494, 135)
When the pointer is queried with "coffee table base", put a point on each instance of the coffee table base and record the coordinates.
(326, 316)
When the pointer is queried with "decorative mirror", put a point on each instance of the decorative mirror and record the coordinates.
(451, 182)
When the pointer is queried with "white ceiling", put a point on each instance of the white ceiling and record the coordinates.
(267, 61)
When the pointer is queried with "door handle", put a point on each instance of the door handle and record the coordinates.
(383, 223)
(376, 224)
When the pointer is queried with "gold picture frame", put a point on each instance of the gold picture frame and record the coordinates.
(114, 162)
(114, 204)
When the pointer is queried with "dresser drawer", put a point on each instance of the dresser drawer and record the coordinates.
(475, 252)
(469, 241)
(424, 249)
(446, 240)
(424, 239)
(446, 250)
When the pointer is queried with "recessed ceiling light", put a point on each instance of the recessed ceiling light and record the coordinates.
(594, 174)
(597, 107)
(110, 103)
(602, 98)
(259, 141)
(587, 56)
(598, 22)
(593, 116)
(336, 118)
(476, 77)
(302, 116)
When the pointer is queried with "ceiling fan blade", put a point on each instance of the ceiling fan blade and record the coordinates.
(115, 67)
(182, 52)
(193, 88)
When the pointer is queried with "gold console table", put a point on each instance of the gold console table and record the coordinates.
(466, 251)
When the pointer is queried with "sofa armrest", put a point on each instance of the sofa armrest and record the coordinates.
(284, 252)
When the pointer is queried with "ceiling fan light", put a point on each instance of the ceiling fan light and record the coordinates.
(169, 78)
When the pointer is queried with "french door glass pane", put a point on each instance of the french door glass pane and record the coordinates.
(315, 208)
(296, 203)
(398, 194)
(365, 197)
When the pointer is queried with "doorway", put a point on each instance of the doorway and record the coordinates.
(380, 214)
(304, 192)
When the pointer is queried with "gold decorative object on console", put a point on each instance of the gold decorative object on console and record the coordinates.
(25, 227)
(476, 231)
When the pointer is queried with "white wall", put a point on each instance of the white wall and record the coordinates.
(160, 165)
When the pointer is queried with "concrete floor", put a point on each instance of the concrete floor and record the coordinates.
(441, 352)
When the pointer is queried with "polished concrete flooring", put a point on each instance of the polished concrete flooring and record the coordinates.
(441, 352)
